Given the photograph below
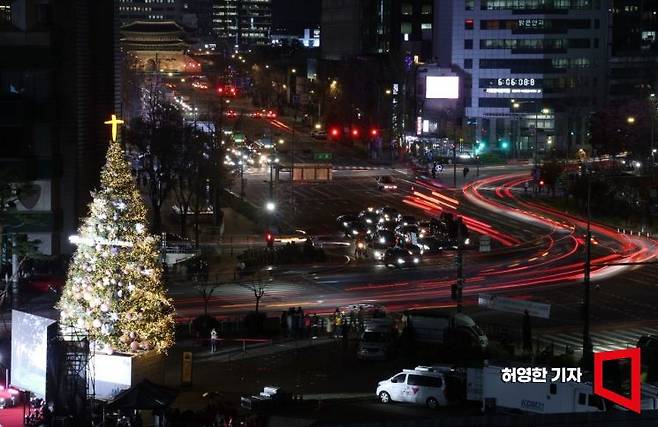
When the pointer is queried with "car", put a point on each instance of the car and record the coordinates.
(406, 219)
(422, 386)
(388, 213)
(407, 232)
(425, 228)
(431, 245)
(344, 220)
(357, 230)
(386, 183)
(380, 241)
(415, 249)
(370, 219)
(319, 134)
(400, 257)
(376, 342)
(386, 225)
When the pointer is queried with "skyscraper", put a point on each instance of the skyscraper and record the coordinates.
(242, 23)
(537, 67)
(58, 82)
(633, 67)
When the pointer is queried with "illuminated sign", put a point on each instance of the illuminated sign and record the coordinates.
(516, 82)
(442, 87)
(531, 23)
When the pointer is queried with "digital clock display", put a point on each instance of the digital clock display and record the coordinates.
(512, 82)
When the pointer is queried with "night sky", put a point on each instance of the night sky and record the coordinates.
(296, 14)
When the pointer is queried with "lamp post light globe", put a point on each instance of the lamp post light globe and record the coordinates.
(270, 206)
(630, 120)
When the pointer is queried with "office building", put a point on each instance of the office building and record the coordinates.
(633, 67)
(242, 23)
(148, 10)
(537, 68)
(355, 28)
(58, 83)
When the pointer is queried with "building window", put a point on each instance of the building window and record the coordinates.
(426, 26)
(468, 24)
(426, 9)
(405, 28)
(468, 44)
(468, 64)
(407, 9)
(469, 4)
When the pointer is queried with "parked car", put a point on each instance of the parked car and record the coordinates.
(386, 183)
(421, 386)
(376, 341)
(319, 134)
(400, 257)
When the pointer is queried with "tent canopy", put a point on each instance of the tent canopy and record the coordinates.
(145, 395)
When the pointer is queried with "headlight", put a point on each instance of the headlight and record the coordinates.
(378, 254)
(368, 221)
(369, 231)
(355, 232)
(382, 240)
(344, 223)
(400, 261)
(416, 260)
(467, 241)
(426, 247)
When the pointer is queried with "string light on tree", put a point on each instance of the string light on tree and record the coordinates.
(113, 292)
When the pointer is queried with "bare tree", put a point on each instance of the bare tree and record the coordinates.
(206, 290)
(259, 289)
(158, 137)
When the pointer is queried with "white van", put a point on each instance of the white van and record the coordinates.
(422, 386)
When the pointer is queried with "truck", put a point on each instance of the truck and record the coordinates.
(487, 386)
(438, 328)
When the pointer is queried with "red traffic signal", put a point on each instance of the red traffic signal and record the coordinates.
(374, 132)
(541, 183)
(355, 133)
(334, 132)
(269, 239)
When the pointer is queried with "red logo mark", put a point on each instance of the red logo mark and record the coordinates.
(633, 354)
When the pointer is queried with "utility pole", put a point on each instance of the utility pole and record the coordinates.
(454, 164)
(292, 161)
(587, 339)
(458, 287)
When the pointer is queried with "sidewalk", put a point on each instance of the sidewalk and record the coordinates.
(256, 350)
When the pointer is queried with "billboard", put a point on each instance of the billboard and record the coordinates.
(442, 87)
(29, 351)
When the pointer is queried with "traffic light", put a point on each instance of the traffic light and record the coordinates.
(504, 145)
(455, 292)
(220, 91)
(355, 133)
(334, 132)
(269, 239)
(541, 183)
(374, 132)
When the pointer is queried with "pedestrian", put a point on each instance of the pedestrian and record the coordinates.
(352, 318)
(213, 340)
(307, 326)
(315, 324)
(284, 323)
(338, 324)
(291, 322)
(527, 333)
(359, 318)
(345, 332)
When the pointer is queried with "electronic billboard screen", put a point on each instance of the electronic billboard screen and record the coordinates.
(442, 87)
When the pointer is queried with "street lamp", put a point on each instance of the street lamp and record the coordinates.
(270, 206)
(630, 120)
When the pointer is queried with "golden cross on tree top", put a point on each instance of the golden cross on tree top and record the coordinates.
(115, 125)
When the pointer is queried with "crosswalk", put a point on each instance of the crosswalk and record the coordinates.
(605, 340)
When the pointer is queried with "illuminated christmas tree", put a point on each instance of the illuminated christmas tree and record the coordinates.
(113, 292)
